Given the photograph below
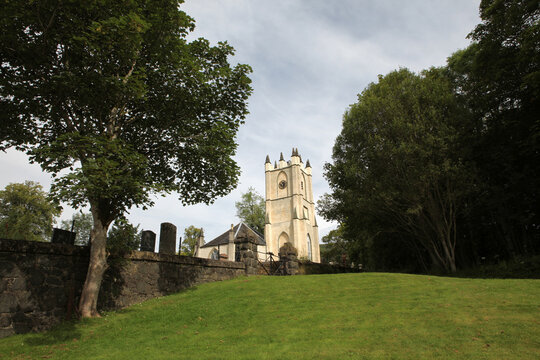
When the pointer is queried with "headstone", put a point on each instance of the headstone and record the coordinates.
(61, 236)
(148, 241)
(167, 239)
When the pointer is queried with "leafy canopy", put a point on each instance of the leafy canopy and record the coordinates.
(498, 76)
(395, 166)
(251, 209)
(26, 212)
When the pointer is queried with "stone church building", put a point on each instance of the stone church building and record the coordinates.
(290, 215)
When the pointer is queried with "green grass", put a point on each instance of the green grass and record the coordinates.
(346, 316)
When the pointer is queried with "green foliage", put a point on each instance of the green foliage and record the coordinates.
(444, 168)
(82, 225)
(251, 209)
(123, 237)
(26, 212)
(397, 167)
(346, 316)
(191, 236)
(334, 248)
(499, 78)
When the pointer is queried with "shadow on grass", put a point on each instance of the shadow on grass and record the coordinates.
(67, 331)
(59, 334)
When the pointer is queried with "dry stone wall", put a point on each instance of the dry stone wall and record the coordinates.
(40, 283)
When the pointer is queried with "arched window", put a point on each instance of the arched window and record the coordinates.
(309, 255)
(214, 255)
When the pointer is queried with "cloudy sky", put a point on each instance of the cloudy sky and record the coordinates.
(310, 59)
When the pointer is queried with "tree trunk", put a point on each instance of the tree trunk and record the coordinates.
(96, 267)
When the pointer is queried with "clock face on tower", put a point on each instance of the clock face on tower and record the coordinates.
(282, 184)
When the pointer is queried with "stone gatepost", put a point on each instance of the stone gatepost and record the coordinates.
(246, 252)
(288, 257)
(148, 241)
(167, 239)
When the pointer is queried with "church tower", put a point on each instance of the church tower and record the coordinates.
(290, 210)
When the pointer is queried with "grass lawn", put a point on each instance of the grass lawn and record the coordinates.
(347, 316)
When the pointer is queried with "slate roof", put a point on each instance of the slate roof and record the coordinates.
(241, 230)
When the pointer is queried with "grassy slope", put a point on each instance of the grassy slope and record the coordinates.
(375, 316)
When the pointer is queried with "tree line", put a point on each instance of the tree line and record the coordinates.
(440, 170)
(27, 212)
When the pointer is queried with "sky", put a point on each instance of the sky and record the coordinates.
(310, 60)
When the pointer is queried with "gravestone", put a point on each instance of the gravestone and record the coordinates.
(61, 236)
(167, 239)
(148, 241)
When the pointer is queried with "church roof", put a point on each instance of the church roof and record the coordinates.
(241, 230)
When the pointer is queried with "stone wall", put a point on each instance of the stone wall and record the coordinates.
(40, 283)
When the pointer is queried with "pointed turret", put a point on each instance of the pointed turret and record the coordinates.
(308, 167)
(282, 162)
(295, 159)
(268, 164)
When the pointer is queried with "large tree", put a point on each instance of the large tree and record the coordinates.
(110, 98)
(499, 77)
(26, 212)
(251, 209)
(397, 172)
